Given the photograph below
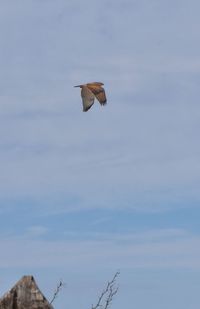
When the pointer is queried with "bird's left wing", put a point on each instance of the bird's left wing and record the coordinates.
(87, 98)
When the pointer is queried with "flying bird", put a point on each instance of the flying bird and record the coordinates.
(91, 91)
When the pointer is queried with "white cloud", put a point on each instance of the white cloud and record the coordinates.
(127, 149)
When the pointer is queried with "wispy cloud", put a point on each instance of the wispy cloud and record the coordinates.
(37, 231)
(166, 249)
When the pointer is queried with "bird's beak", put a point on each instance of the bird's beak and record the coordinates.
(78, 86)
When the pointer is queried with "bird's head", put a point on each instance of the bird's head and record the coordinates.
(80, 86)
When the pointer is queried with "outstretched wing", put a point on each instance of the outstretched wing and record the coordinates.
(98, 91)
(87, 98)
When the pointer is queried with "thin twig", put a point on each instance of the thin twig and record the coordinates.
(59, 287)
(106, 297)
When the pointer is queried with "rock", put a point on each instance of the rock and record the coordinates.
(25, 295)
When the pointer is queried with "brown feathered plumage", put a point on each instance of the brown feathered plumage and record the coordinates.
(91, 91)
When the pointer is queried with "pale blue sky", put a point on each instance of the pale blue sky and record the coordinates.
(85, 194)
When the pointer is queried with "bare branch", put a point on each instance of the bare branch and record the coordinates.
(59, 287)
(106, 297)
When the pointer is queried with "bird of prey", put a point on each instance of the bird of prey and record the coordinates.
(91, 91)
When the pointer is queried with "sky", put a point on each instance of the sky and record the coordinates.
(83, 195)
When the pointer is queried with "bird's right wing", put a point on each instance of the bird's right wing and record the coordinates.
(98, 91)
(87, 98)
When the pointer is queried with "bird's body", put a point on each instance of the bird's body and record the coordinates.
(91, 91)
